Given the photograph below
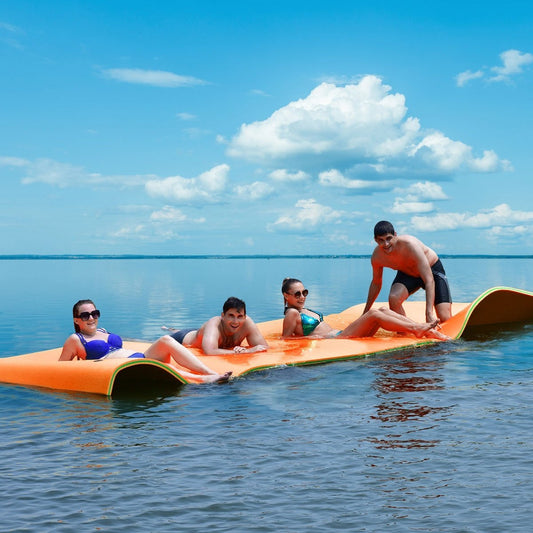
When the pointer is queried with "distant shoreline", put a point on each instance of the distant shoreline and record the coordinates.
(70, 257)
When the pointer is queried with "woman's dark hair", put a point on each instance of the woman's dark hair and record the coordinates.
(75, 311)
(287, 282)
(285, 286)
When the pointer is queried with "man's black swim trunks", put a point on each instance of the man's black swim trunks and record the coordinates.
(442, 289)
(180, 334)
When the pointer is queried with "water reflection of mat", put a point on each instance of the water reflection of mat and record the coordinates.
(498, 305)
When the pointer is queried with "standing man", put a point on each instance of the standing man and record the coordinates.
(418, 267)
(224, 334)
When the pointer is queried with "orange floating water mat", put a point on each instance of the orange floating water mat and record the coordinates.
(498, 305)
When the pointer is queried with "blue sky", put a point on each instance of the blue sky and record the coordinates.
(264, 127)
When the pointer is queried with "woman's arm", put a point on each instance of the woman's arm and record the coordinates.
(291, 323)
(71, 349)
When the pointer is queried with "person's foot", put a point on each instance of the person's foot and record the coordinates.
(424, 329)
(218, 378)
(435, 334)
(224, 378)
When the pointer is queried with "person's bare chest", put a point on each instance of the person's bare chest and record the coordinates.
(399, 260)
(227, 340)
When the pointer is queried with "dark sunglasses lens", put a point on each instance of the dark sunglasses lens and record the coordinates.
(304, 293)
(86, 315)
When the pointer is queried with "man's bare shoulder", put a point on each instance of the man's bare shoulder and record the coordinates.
(213, 322)
(209, 326)
(376, 255)
(410, 246)
(250, 324)
(409, 240)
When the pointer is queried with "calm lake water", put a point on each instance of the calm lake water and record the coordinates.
(432, 439)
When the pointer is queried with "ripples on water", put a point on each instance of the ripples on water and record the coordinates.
(427, 439)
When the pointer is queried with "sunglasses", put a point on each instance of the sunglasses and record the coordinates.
(86, 315)
(303, 293)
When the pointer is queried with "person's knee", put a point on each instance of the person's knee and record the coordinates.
(375, 312)
(444, 311)
(380, 313)
(395, 300)
(397, 295)
(166, 340)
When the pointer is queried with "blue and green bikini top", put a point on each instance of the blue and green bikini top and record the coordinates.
(309, 323)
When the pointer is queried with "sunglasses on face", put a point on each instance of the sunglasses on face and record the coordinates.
(86, 315)
(303, 293)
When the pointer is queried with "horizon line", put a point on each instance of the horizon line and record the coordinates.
(236, 256)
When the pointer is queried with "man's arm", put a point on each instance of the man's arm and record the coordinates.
(375, 285)
(210, 338)
(424, 269)
(255, 339)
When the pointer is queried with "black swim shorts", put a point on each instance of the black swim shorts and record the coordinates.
(180, 334)
(442, 289)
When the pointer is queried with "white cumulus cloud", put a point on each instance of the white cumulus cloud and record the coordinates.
(168, 214)
(306, 216)
(360, 118)
(426, 190)
(335, 178)
(207, 186)
(161, 226)
(447, 155)
(500, 216)
(363, 128)
(137, 231)
(403, 207)
(506, 232)
(282, 174)
(418, 198)
(254, 191)
(513, 63)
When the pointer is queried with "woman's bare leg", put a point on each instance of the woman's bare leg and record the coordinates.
(367, 325)
(166, 348)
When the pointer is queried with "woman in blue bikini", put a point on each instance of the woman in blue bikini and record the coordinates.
(301, 321)
(92, 343)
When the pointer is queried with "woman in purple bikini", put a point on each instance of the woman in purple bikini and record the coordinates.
(93, 343)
